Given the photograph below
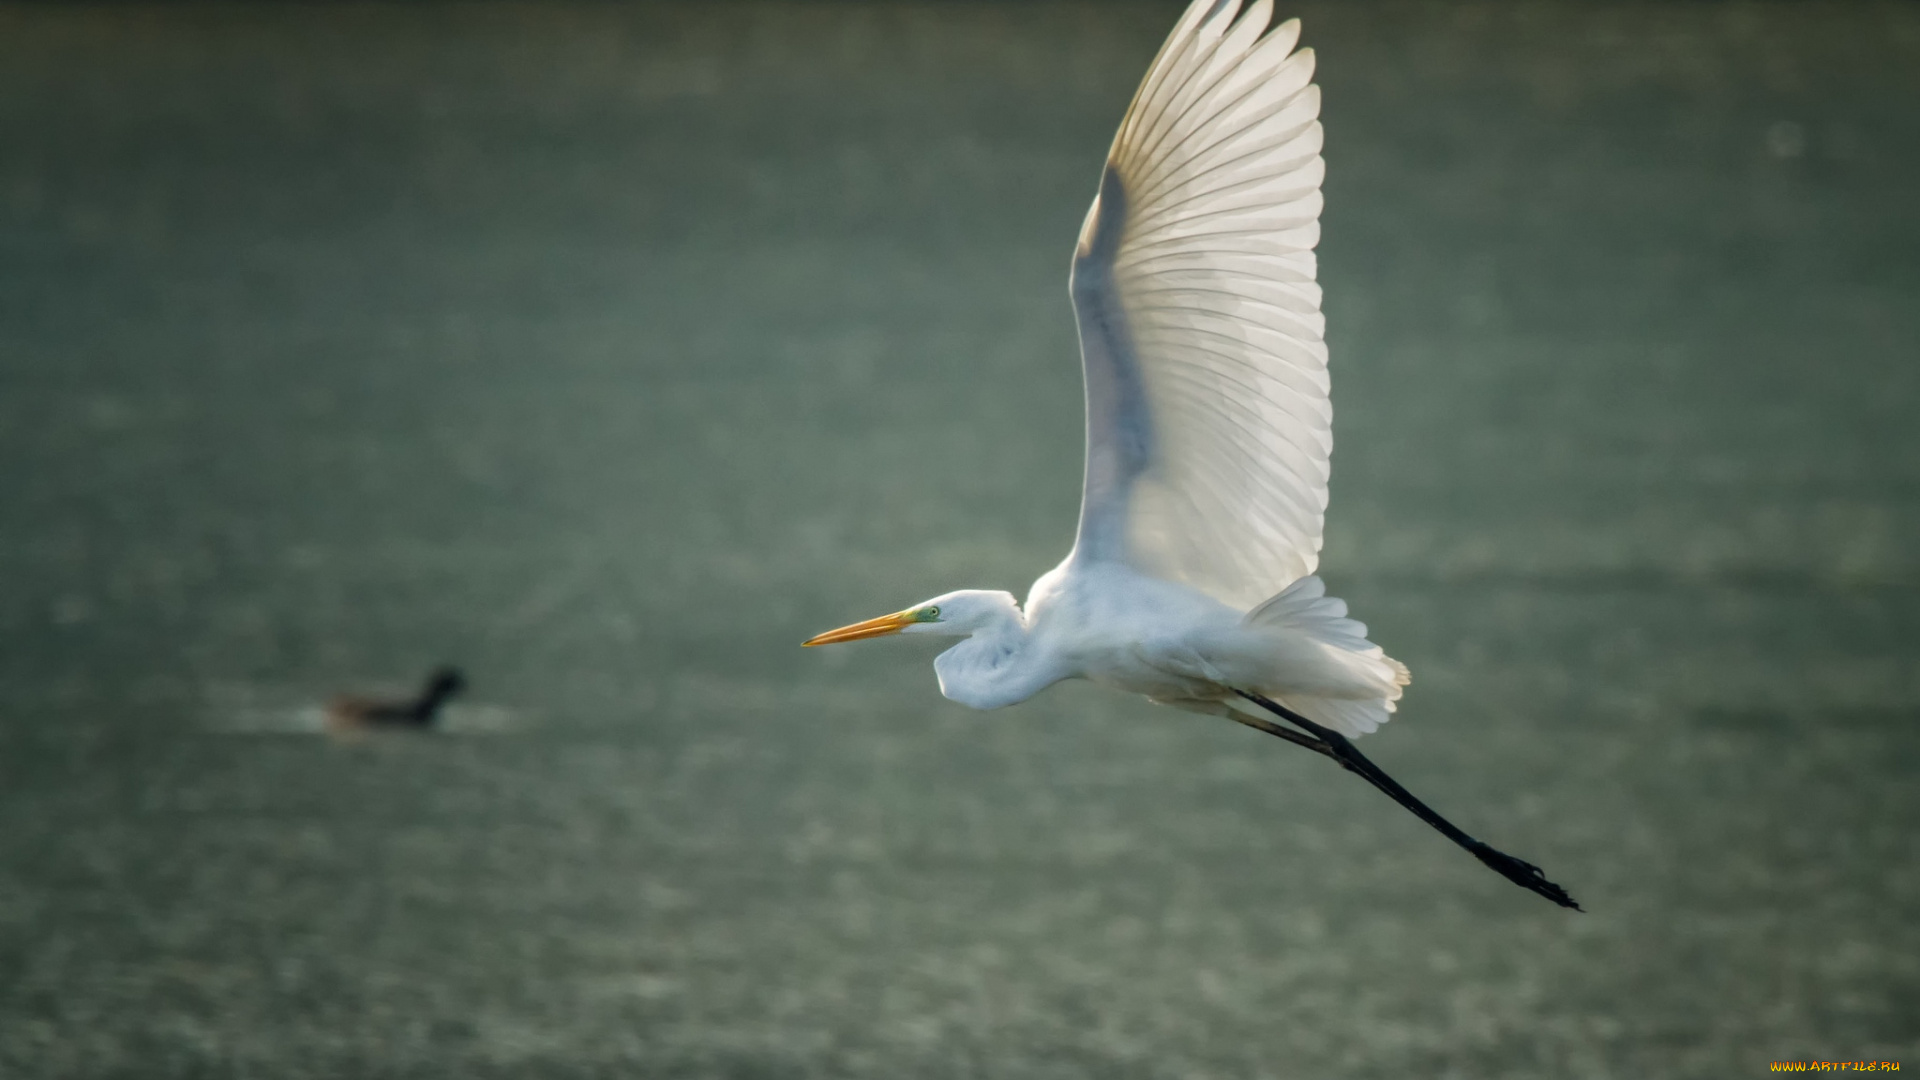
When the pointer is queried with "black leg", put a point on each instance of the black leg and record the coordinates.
(1335, 745)
(1288, 734)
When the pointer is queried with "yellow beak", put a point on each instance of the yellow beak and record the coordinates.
(885, 624)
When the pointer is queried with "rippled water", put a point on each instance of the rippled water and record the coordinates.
(610, 353)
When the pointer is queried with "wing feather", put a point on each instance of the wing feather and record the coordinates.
(1208, 422)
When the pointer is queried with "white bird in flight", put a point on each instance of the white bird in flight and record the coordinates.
(1191, 579)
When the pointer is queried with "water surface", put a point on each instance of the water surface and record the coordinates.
(611, 353)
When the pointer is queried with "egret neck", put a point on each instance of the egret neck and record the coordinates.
(1001, 661)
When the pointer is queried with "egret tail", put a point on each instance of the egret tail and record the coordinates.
(1374, 680)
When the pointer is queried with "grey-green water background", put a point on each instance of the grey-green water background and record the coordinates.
(611, 352)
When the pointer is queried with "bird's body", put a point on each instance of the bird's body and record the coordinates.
(348, 713)
(1101, 621)
(1106, 622)
(1209, 428)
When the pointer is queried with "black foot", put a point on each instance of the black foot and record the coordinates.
(1524, 874)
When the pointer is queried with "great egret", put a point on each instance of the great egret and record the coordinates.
(1208, 431)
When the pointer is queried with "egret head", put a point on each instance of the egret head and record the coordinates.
(955, 614)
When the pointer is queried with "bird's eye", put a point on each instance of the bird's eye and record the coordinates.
(932, 613)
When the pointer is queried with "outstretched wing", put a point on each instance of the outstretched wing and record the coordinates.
(1208, 424)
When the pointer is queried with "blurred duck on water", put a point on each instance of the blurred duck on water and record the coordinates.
(350, 713)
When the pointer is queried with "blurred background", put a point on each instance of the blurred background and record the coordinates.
(609, 352)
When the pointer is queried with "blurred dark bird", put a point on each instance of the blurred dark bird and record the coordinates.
(350, 713)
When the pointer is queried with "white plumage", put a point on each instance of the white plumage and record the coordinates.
(1208, 421)
(1208, 431)
(1208, 424)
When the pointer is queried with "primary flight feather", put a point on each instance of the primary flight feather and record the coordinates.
(1208, 430)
